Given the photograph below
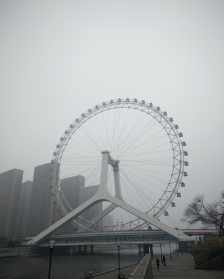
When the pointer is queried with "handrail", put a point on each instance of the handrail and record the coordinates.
(143, 269)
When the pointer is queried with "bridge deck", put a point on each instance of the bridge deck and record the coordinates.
(182, 267)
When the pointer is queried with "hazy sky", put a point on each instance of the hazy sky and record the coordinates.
(58, 58)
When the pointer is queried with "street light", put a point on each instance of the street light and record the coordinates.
(119, 262)
(161, 251)
(51, 248)
(170, 249)
(220, 210)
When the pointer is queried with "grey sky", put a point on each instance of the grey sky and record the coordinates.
(58, 58)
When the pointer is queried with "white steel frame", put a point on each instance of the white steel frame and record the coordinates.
(103, 194)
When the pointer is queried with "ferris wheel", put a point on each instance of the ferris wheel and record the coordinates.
(144, 139)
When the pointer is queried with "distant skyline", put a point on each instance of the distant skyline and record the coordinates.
(59, 58)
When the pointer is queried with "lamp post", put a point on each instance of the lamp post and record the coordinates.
(221, 214)
(161, 251)
(119, 261)
(221, 225)
(170, 249)
(51, 248)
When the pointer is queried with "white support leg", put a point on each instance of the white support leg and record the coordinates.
(149, 219)
(75, 212)
(104, 172)
(103, 195)
(64, 206)
(117, 180)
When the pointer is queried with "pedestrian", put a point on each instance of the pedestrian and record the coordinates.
(161, 257)
(164, 260)
(157, 263)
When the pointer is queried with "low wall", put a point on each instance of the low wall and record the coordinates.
(143, 269)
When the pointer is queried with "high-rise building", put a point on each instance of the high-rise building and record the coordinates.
(40, 211)
(72, 188)
(24, 208)
(10, 190)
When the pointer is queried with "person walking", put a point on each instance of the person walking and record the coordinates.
(157, 263)
(164, 260)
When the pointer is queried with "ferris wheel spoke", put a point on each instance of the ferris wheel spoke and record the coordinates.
(107, 132)
(124, 141)
(142, 199)
(148, 163)
(93, 141)
(122, 128)
(151, 179)
(152, 172)
(145, 186)
(72, 160)
(135, 183)
(140, 167)
(132, 140)
(159, 152)
(139, 146)
(80, 159)
(117, 131)
(82, 156)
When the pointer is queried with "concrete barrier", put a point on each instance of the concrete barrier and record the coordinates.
(143, 269)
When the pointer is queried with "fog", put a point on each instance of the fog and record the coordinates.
(58, 58)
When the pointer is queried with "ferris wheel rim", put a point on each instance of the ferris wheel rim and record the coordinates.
(167, 124)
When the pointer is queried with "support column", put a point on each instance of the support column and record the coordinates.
(117, 179)
(85, 249)
(71, 251)
(92, 249)
(161, 251)
(146, 248)
(151, 250)
(139, 250)
(170, 249)
(104, 170)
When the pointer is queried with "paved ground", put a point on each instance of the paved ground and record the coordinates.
(114, 274)
(182, 267)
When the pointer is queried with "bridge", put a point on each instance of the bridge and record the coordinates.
(146, 239)
(103, 194)
(120, 237)
(116, 200)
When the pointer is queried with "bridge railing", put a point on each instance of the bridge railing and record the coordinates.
(143, 269)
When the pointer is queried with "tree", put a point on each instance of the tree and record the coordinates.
(209, 214)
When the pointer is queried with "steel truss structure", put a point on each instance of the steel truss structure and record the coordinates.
(159, 207)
